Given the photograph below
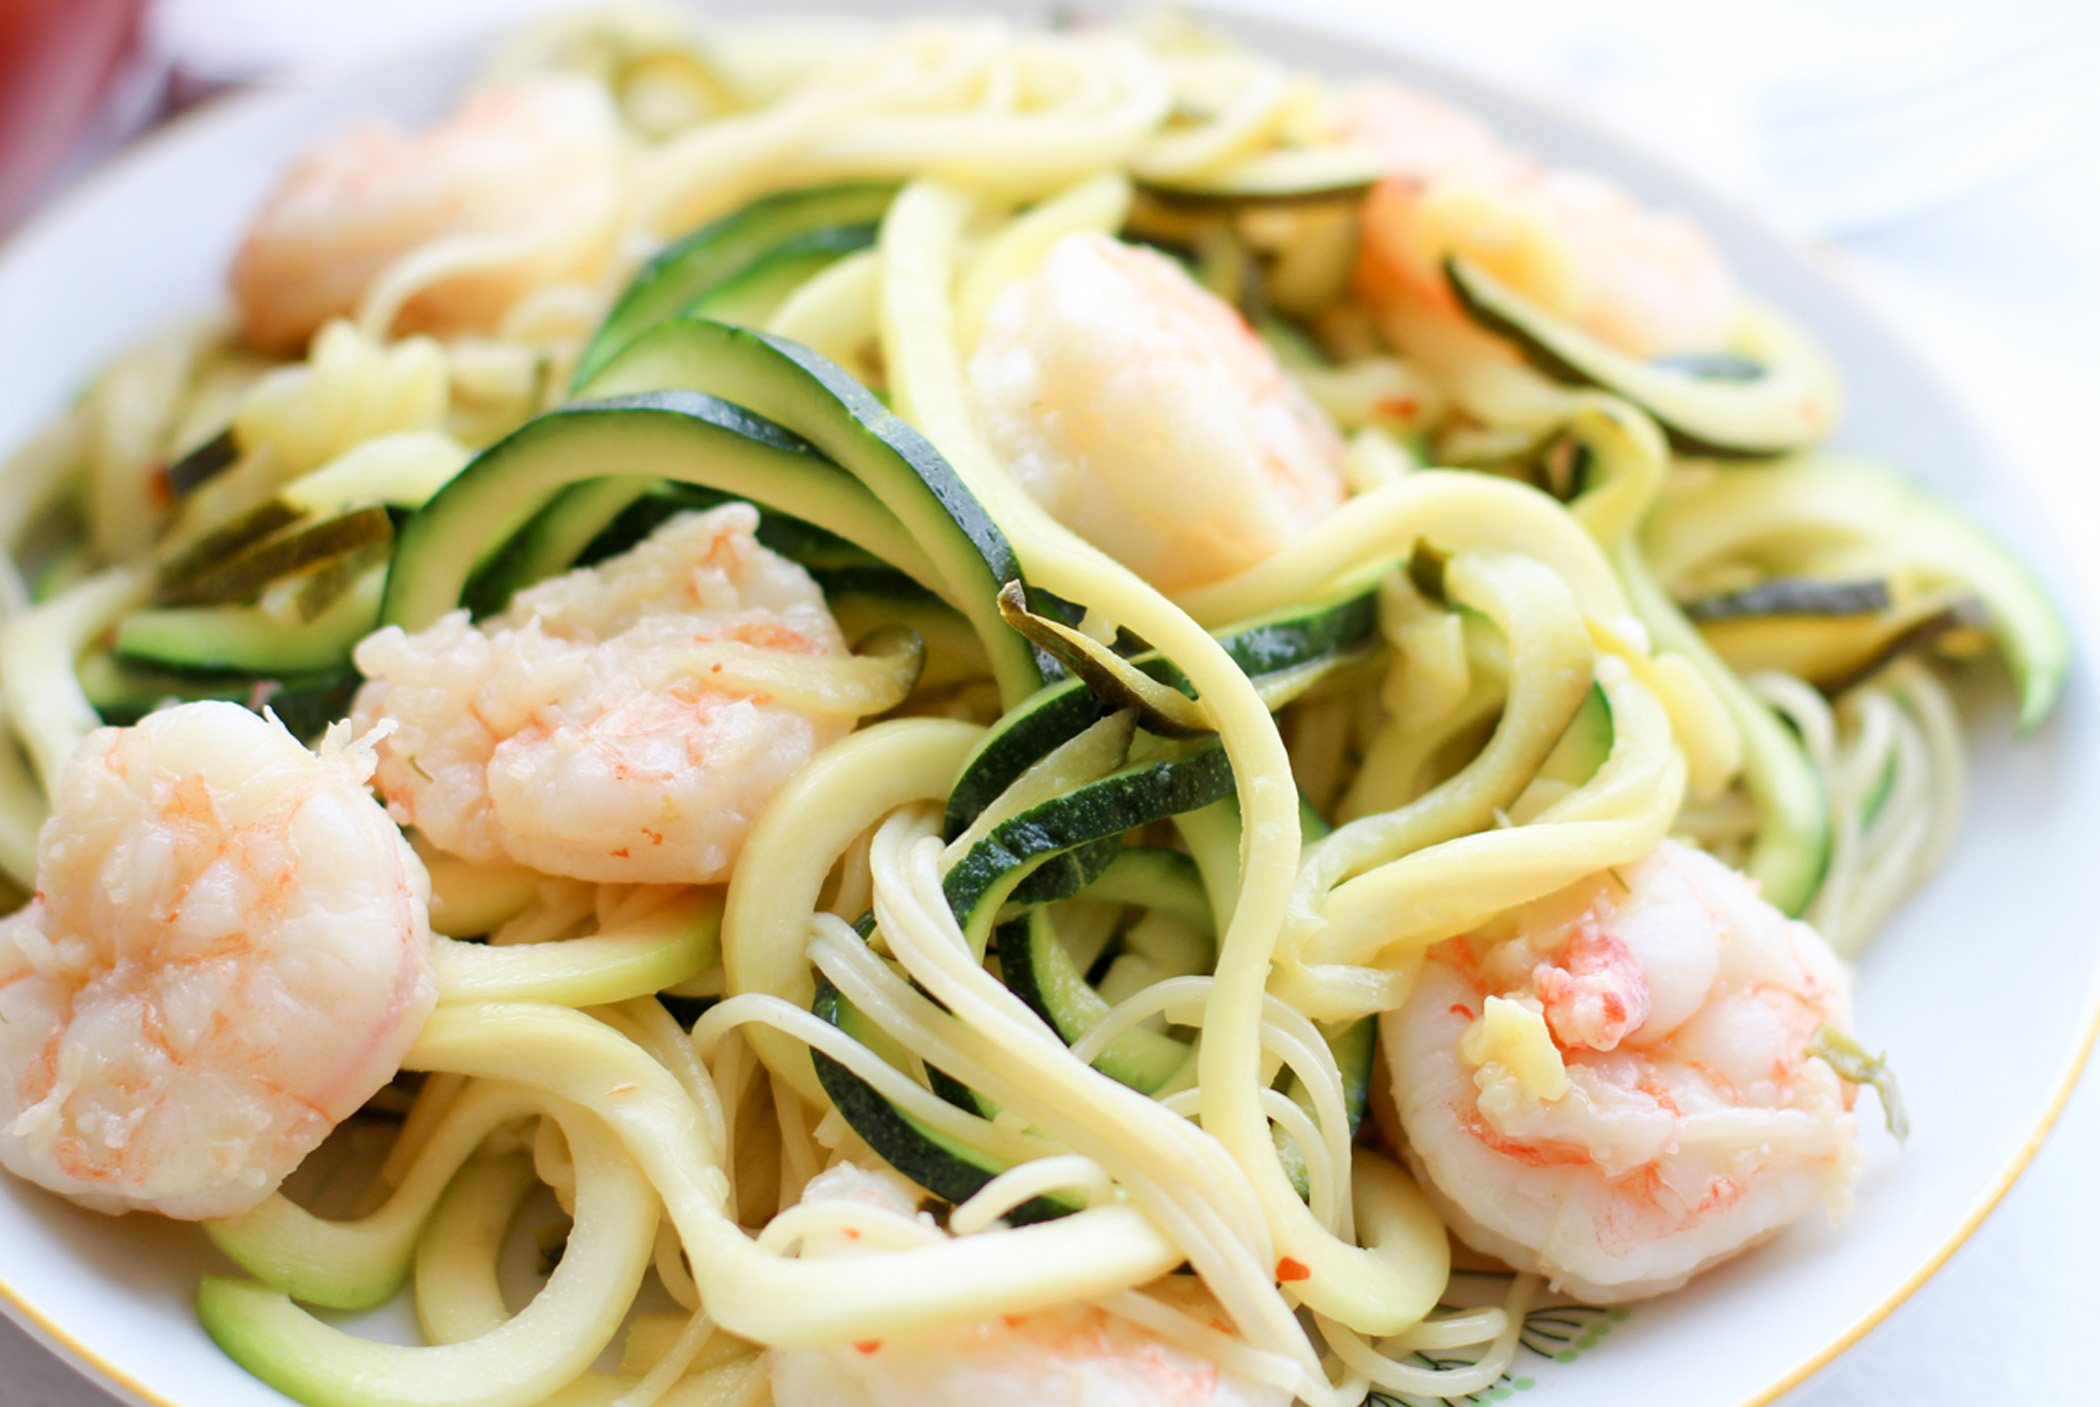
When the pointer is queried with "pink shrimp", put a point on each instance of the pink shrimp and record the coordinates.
(1145, 414)
(570, 734)
(1612, 1085)
(1646, 283)
(1067, 1354)
(227, 955)
(532, 164)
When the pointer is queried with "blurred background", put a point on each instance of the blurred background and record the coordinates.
(1942, 156)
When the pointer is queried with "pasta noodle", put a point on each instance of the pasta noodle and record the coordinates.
(1052, 921)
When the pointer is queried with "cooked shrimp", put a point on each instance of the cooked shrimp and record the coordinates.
(1612, 1085)
(1077, 1353)
(228, 953)
(1146, 415)
(572, 732)
(1649, 284)
(532, 165)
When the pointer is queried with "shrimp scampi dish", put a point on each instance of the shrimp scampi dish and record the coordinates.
(1016, 716)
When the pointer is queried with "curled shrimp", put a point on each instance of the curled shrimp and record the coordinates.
(228, 953)
(575, 733)
(525, 176)
(1647, 283)
(1074, 1353)
(1612, 1086)
(1145, 414)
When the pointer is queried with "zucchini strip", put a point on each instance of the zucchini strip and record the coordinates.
(688, 267)
(784, 1301)
(1037, 969)
(1836, 515)
(1160, 710)
(672, 945)
(557, 535)
(1282, 176)
(1791, 596)
(1291, 646)
(666, 434)
(245, 573)
(871, 682)
(814, 399)
(942, 1165)
(39, 682)
(1096, 813)
(253, 640)
(361, 1263)
(546, 1344)
(206, 461)
(1792, 405)
(1791, 850)
(751, 298)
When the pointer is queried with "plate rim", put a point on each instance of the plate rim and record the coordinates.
(235, 106)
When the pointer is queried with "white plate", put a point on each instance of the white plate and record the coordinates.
(1987, 1052)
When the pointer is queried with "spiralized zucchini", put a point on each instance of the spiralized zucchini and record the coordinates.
(1485, 675)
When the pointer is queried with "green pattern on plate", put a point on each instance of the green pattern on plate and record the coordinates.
(1559, 1333)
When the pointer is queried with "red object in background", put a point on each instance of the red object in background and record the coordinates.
(57, 61)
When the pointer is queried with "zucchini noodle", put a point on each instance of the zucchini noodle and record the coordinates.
(1045, 975)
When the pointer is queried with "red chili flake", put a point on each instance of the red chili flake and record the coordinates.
(655, 837)
(1400, 407)
(619, 854)
(1012, 1321)
(1460, 1009)
(1288, 1270)
(868, 1345)
(161, 487)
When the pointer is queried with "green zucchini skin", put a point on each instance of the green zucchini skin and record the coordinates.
(1838, 653)
(1791, 853)
(1267, 648)
(305, 703)
(755, 294)
(249, 639)
(690, 266)
(554, 539)
(864, 599)
(1165, 881)
(816, 400)
(800, 542)
(1354, 1050)
(1095, 814)
(2025, 622)
(1790, 406)
(1584, 744)
(588, 522)
(935, 1162)
(1036, 968)
(1792, 596)
(243, 575)
(1878, 521)
(1024, 735)
(1308, 175)
(204, 463)
(667, 434)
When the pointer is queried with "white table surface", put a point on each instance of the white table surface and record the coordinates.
(2001, 290)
